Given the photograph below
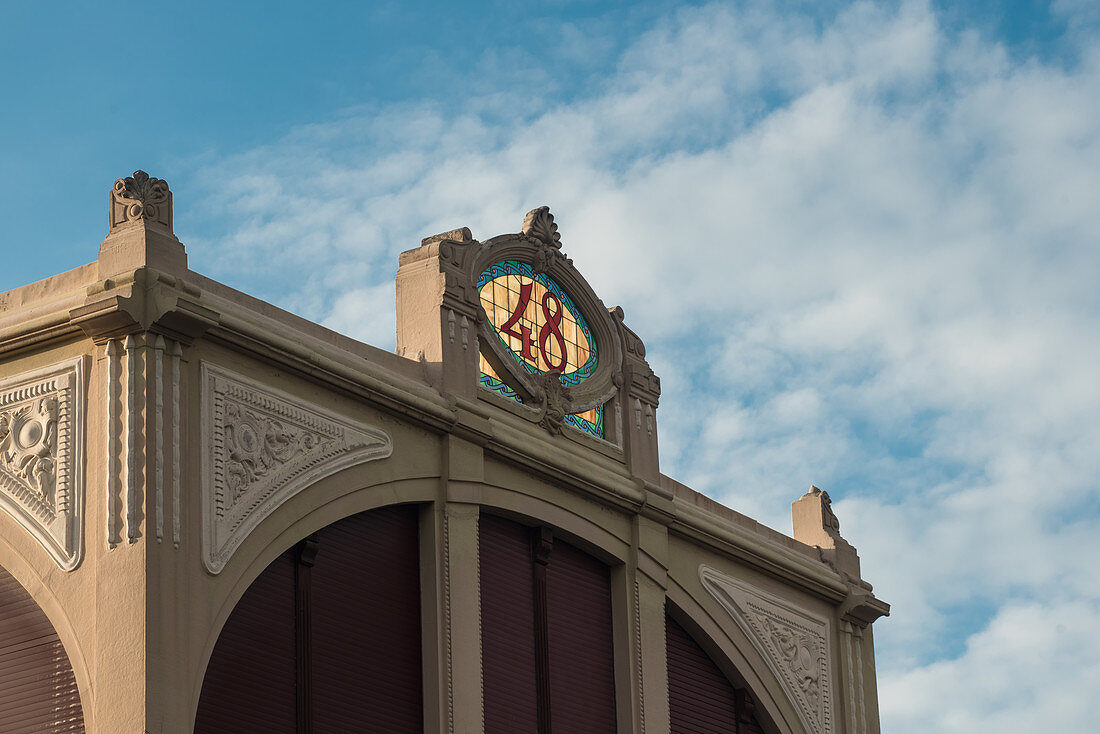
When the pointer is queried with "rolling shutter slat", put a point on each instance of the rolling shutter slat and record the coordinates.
(364, 612)
(701, 699)
(250, 681)
(582, 662)
(38, 691)
(507, 627)
(366, 624)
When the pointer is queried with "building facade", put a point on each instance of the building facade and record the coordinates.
(220, 517)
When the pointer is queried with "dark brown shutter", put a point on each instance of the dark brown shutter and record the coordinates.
(37, 687)
(582, 659)
(701, 698)
(250, 681)
(366, 624)
(507, 627)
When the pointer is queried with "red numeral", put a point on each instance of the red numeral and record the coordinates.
(524, 333)
(552, 327)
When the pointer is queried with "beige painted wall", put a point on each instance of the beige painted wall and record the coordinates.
(139, 617)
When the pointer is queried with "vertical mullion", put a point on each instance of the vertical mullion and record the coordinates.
(542, 543)
(303, 640)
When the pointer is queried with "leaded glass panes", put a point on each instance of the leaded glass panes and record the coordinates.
(542, 329)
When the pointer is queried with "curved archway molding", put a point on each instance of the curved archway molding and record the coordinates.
(794, 643)
(23, 571)
(260, 447)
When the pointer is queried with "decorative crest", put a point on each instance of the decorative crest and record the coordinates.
(141, 198)
(539, 223)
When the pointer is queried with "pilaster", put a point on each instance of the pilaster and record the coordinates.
(464, 713)
(638, 397)
(649, 574)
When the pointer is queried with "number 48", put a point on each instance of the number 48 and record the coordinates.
(552, 328)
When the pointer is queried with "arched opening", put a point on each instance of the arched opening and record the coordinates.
(38, 689)
(327, 638)
(547, 633)
(701, 698)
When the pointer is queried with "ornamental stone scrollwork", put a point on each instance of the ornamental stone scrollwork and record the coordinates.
(260, 448)
(537, 375)
(538, 225)
(793, 642)
(141, 198)
(41, 456)
(553, 399)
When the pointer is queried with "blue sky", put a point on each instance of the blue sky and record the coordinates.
(861, 242)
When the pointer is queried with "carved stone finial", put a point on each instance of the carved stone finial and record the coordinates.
(141, 198)
(539, 223)
(815, 524)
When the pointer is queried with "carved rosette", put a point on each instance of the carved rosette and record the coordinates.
(42, 454)
(260, 448)
(141, 198)
(794, 642)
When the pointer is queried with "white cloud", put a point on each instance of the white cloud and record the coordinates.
(1036, 667)
(862, 252)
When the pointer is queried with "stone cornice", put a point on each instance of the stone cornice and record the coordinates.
(609, 483)
(758, 552)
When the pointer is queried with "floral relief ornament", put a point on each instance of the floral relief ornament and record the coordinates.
(141, 197)
(792, 640)
(539, 226)
(258, 445)
(799, 651)
(41, 454)
(261, 447)
(28, 437)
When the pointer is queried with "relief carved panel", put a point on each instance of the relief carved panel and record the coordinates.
(260, 448)
(42, 456)
(794, 642)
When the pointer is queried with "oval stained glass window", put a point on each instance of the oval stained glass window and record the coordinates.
(542, 329)
(537, 321)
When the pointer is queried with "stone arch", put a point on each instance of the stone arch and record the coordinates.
(581, 529)
(331, 499)
(40, 687)
(287, 554)
(22, 571)
(735, 656)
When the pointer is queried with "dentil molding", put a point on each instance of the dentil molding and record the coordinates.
(794, 642)
(262, 446)
(42, 456)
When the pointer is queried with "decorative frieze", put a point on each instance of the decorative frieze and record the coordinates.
(261, 447)
(42, 455)
(794, 642)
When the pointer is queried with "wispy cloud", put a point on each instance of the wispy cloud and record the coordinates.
(863, 252)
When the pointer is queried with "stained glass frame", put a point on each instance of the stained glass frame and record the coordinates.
(590, 421)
